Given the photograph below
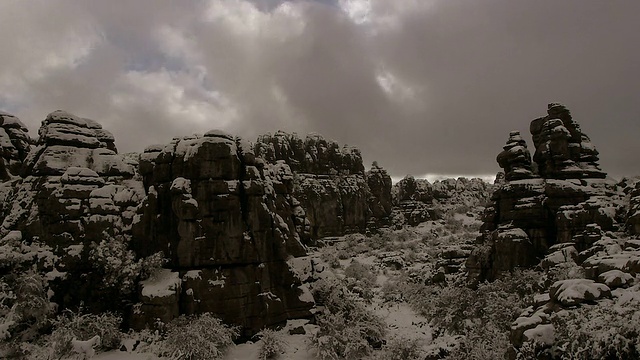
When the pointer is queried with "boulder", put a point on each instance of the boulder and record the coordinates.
(576, 291)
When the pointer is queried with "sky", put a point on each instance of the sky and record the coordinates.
(420, 86)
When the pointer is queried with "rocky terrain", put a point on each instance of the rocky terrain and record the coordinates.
(296, 235)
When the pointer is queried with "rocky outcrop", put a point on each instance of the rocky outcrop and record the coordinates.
(633, 216)
(15, 145)
(75, 193)
(380, 200)
(555, 206)
(563, 151)
(516, 158)
(227, 222)
(330, 183)
(418, 200)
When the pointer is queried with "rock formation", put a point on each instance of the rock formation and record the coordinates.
(570, 193)
(14, 145)
(330, 182)
(228, 223)
(516, 159)
(562, 150)
(633, 222)
(225, 221)
(418, 200)
(75, 192)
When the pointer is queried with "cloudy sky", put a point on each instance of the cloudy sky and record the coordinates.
(421, 86)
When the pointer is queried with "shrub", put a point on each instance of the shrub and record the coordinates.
(603, 331)
(201, 337)
(483, 316)
(347, 329)
(273, 344)
(117, 267)
(330, 256)
(361, 272)
(70, 325)
(25, 310)
(400, 348)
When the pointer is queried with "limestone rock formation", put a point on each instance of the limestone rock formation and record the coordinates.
(516, 159)
(330, 182)
(418, 200)
(380, 200)
(633, 222)
(313, 155)
(75, 193)
(66, 140)
(563, 151)
(570, 196)
(15, 145)
(227, 222)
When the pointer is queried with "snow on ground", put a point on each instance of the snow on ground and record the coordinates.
(121, 355)
(403, 322)
(298, 346)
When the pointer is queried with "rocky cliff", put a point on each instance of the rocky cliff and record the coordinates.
(330, 183)
(549, 201)
(75, 193)
(225, 222)
(228, 223)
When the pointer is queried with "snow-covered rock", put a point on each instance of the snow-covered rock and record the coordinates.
(576, 291)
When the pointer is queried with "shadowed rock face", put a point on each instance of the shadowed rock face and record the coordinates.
(562, 150)
(516, 158)
(330, 183)
(227, 222)
(555, 206)
(15, 145)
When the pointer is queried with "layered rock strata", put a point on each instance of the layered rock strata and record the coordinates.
(75, 192)
(330, 183)
(227, 222)
(555, 205)
(418, 200)
(15, 145)
(563, 151)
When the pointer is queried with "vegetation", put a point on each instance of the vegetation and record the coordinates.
(201, 337)
(347, 329)
(272, 346)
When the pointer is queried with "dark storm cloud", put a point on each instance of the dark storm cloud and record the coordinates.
(421, 86)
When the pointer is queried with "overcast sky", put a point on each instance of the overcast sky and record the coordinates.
(421, 86)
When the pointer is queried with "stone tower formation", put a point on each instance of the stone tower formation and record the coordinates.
(547, 201)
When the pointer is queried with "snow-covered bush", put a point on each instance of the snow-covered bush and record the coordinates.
(400, 348)
(117, 266)
(273, 344)
(69, 326)
(483, 316)
(602, 331)
(361, 272)
(347, 330)
(25, 309)
(201, 337)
